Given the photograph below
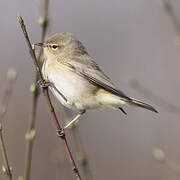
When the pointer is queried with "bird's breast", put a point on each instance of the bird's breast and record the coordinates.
(75, 88)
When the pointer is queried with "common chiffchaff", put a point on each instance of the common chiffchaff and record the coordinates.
(80, 81)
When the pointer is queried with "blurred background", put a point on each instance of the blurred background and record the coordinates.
(136, 43)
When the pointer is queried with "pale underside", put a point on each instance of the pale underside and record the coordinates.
(80, 92)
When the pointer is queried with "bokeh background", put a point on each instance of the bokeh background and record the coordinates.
(129, 40)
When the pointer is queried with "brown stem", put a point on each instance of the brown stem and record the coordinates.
(46, 94)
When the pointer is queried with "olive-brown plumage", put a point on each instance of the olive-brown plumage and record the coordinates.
(73, 72)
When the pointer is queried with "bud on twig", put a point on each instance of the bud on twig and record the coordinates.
(43, 22)
(159, 155)
(30, 135)
(11, 74)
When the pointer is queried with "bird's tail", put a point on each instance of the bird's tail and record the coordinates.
(138, 103)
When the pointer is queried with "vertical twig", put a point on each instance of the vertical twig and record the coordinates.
(11, 77)
(46, 94)
(6, 168)
(30, 135)
(82, 159)
(81, 155)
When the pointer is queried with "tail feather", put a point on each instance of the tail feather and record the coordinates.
(142, 104)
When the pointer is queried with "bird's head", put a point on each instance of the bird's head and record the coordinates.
(62, 46)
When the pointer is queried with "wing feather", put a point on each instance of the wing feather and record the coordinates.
(92, 73)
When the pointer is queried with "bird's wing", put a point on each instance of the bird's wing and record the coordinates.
(92, 73)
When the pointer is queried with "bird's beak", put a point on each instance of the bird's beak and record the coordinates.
(40, 44)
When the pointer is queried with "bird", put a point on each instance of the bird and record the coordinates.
(76, 79)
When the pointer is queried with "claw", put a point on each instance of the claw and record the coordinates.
(61, 133)
(43, 84)
(123, 110)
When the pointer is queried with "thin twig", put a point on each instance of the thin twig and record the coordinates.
(170, 10)
(6, 169)
(82, 159)
(11, 80)
(169, 107)
(155, 98)
(160, 156)
(81, 155)
(46, 94)
(11, 77)
(30, 135)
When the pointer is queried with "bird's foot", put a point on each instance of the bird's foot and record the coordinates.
(61, 133)
(44, 83)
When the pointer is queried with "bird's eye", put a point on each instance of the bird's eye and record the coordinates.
(54, 47)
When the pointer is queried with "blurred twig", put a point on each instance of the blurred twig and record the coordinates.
(30, 134)
(159, 155)
(170, 10)
(6, 167)
(82, 159)
(46, 94)
(11, 77)
(81, 155)
(155, 98)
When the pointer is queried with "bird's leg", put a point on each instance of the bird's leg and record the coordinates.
(75, 118)
(61, 133)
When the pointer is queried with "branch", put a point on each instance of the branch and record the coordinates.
(170, 11)
(11, 77)
(6, 168)
(46, 94)
(160, 156)
(30, 134)
(11, 80)
(81, 155)
(155, 98)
